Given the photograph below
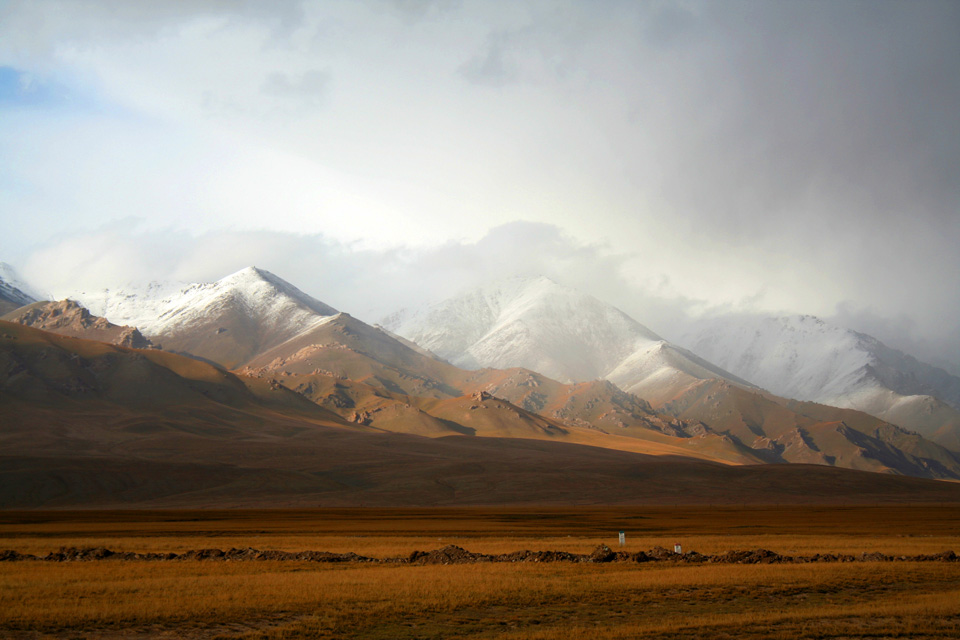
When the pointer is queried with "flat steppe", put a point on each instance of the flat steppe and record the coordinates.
(524, 600)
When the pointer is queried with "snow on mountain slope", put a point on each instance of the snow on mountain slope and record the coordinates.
(527, 322)
(228, 321)
(805, 358)
(797, 357)
(160, 308)
(559, 332)
(14, 292)
(661, 370)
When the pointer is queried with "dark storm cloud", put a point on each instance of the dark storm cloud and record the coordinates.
(822, 135)
(834, 133)
(832, 109)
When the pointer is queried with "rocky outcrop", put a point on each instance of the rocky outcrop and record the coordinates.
(69, 318)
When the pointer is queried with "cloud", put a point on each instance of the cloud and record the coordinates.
(310, 85)
(491, 66)
(933, 341)
(369, 283)
(769, 157)
(55, 24)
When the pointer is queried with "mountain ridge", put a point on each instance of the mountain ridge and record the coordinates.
(809, 359)
(537, 324)
(397, 386)
(228, 321)
(78, 434)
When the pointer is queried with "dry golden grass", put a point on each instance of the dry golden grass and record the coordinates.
(534, 601)
(275, 600)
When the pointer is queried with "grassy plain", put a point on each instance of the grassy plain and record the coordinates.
(274, 600)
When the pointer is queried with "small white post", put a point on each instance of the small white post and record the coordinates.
(677, 548)
(623, 538)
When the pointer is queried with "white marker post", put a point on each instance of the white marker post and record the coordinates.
(623, 538)
(677, 548)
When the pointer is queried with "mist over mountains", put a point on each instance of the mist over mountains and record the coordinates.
(806, 358)
(14, 292)
(568, 335)
(557, 331)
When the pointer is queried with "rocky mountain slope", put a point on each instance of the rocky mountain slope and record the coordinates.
(87, 424)
(228, 321)
(559, 332)
(369, 377)
(805, 358)
(69, 318)
(541, 320)
(319, 352)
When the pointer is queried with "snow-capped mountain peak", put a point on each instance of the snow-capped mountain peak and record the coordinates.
(227, 321)
(799, 357)
(259, 293)
(807, 358)
(531, 322)
(159, 308)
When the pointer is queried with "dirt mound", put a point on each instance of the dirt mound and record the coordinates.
(639, 556)
(755, 556)
(943, 556)
(602, 553)
(692, 557)
(452, 554)
(659, 553)
(71, 554)
(830, 557)
(539, 556)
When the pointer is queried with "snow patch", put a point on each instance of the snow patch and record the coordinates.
(164, 308)
(559, 332)
(806, 358)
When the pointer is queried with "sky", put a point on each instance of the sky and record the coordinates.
(674, 158)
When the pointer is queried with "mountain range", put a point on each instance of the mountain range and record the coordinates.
(536, 323)
(273, 372)
(559, 332)
(86, 424)
(805, 358)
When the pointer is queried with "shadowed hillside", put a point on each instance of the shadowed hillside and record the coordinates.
(90, 424)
